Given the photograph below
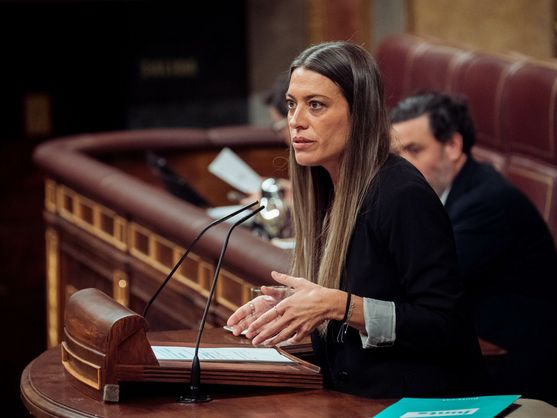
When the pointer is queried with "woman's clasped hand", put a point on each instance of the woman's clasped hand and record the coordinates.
(270, 321)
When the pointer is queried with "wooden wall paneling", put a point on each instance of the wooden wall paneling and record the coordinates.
(488, 25)
(89, 245)
(332, 20)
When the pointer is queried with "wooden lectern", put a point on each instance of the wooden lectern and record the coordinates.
(105, 343)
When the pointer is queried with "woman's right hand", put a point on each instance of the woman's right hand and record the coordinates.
(245, 315)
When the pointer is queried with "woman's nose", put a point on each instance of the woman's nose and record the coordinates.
(297, 119)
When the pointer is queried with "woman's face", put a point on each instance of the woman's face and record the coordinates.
(318, 119)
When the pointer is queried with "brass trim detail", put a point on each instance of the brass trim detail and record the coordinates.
(153, 239)
(225, 277)
(120, 230)
(205, 273)
(52, 286)
(151, 258)
(75, 215)
(66, 354)
(121, 288)
(155, 251)
(192, 259)
(50, 195)
(246, 292)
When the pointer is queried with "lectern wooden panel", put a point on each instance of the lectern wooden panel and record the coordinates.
(105, 344)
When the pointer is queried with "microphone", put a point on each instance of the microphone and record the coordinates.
(195, 395)
(212, 224)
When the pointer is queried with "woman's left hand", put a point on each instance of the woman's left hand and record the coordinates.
(296, 316)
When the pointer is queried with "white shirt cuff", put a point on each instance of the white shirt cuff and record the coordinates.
(380, 320)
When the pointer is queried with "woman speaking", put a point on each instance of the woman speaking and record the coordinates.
(373, 275)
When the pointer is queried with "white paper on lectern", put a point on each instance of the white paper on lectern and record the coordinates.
(234, 354)
(233, 170)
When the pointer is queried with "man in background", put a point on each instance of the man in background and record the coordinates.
(275, 99)
(506, 253)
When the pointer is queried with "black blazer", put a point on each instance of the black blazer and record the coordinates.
(402, 250)
(507, 259)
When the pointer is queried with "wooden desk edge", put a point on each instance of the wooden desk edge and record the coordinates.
(41, 406)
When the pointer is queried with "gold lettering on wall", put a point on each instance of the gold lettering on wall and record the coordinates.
(37, 114)
(168, 68)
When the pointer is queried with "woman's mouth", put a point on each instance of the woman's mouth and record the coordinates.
(300, 143)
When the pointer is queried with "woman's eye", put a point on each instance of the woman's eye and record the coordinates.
(290, 104)
(315, 105)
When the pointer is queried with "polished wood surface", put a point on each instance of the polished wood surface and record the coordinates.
(46, 392)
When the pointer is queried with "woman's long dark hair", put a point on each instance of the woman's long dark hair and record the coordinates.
(324, 217)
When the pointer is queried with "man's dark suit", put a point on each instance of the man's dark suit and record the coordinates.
(507, 258)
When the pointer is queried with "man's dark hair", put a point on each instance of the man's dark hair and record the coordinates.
(446, 114)
(276, 96)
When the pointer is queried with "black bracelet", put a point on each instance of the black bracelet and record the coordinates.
(347, 310)
(344, 326)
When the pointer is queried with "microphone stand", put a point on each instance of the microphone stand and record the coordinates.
(194, 395)
(216, 222)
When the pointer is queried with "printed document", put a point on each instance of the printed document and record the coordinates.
(221, 354)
